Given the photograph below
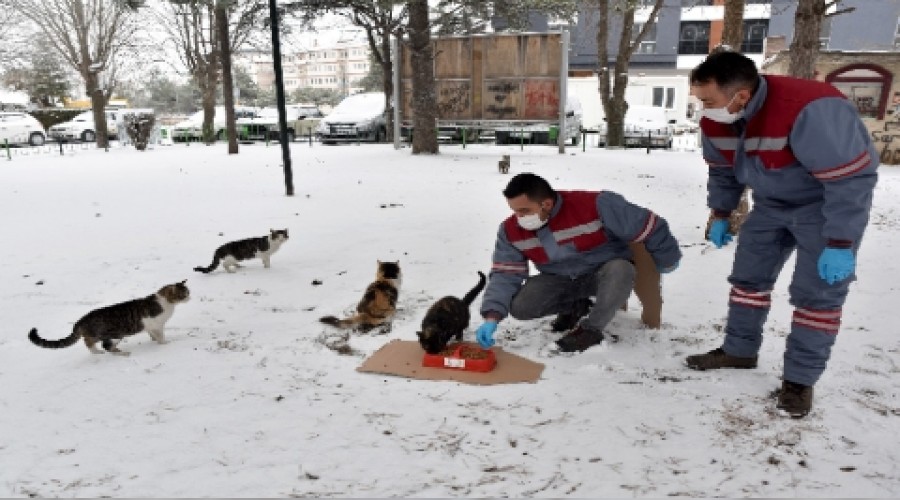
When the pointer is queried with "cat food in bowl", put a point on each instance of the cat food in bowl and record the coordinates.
(462, 356)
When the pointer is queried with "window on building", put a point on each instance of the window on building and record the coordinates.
(664, 96)
(825, 33)
(755, 32)
(866, 86)
(694, 38)
(648, 44)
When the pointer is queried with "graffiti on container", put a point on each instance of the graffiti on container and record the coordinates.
(454, 100)
(502, 100)
(890, 138)
(541, 99)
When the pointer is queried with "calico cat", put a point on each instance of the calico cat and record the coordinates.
(230, 253)
(447, 318)
(109, 325)
(379, 302)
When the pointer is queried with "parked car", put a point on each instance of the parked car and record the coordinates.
(82, 127)
(20, 128)
(357, 117)
(643, 124)
(191, 129)
(540, 133)
(301, 119)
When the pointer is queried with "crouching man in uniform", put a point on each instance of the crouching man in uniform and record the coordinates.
(578, 241)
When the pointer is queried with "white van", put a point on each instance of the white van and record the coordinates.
(359, 117)
(82, 128)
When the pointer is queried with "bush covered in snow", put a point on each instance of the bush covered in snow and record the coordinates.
(139, 126)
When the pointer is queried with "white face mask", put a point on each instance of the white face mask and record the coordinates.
(531, 222)
(722, 115)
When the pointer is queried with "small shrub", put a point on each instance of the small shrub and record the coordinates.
(139, 126)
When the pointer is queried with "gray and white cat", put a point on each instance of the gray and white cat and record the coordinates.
(109, 325)
(230, 253)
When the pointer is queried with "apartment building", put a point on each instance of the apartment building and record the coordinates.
(333, 61)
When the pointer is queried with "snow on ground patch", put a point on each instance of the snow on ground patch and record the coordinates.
(251, 398)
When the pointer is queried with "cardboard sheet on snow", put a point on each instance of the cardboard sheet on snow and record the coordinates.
(404, 358)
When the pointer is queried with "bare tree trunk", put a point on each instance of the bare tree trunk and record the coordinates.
(210, 79)
(424, 101)
(227, 80)
(805, 45)
(733, 35)
(612, 87)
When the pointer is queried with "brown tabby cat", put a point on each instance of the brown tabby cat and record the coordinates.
(230, 253)
(447, 318)
(109, 325)
(378, 304)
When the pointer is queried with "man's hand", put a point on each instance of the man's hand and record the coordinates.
(718, 233)
(836, 264)
(485, 333)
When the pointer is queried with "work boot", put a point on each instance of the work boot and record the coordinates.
(717, 358)
(794, 400)
(579, 339)
(567, 320)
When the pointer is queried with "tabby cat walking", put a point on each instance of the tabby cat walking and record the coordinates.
(231, 253)
(109, 325)
(379, 302)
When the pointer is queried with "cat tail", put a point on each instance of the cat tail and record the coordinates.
(342, 323)
(470, 297)
(212, 267)
(53, 344)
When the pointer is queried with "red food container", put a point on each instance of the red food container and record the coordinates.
(462, 356)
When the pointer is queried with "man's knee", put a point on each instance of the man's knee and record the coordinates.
(522, 310)
(619, 269)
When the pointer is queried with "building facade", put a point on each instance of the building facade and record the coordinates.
(325, 62)
(687, 30)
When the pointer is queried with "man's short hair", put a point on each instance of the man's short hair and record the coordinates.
(535, 187)
(728, 69)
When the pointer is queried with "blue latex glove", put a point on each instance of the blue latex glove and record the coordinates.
(664, 270)
(485, 334)
(718, 233)
(836, 264)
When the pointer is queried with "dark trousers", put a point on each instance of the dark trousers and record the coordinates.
(547, 294)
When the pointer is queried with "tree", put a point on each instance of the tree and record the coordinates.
(191, 26)
(87, 35)
(42, 76)
(319, 97)
(249, 90)
(424, 100)
(381, 20)
(467, 17)
(733, 35)
(807, 25)
(374, 79)
(612, 86)
(221, 10)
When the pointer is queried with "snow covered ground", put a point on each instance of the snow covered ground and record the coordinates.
(246, 400)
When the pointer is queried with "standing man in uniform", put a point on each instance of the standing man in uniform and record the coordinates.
(802, 148)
